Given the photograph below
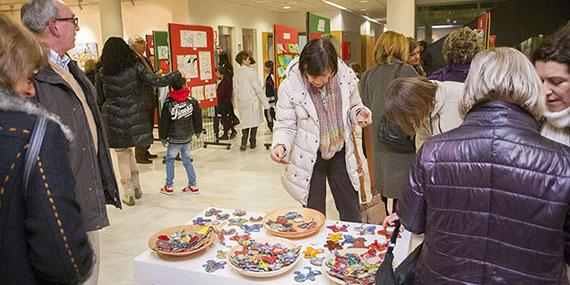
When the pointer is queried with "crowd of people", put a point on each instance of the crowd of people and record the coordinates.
(475, 156)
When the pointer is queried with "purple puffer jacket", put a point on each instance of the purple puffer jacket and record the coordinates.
(452, 72)
(492, 197)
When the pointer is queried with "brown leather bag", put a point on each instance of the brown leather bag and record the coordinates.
(373, 211)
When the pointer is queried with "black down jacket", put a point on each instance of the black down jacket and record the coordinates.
(492, 198)
(123, 108)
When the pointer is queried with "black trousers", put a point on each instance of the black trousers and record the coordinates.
(250, 133)
(345, 198)
(141, 151)
(269, 117)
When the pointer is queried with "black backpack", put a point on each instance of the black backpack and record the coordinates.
(391, 134)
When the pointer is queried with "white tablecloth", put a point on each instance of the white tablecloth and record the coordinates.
(149, 268)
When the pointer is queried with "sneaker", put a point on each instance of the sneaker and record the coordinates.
(233, 134)
(167, 190)
(224, 137)
(191, 190)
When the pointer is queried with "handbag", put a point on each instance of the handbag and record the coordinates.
(373, 211)
(234, 120)
(404, 273)
(391, 134)
(34, 148)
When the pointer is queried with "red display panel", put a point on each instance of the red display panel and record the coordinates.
(286, 49)
(192, 53)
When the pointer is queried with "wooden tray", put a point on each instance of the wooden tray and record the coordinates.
(189, 228)
(274, 240)
(325, 268)
(305, 212)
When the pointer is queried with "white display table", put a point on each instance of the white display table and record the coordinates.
(150, 268)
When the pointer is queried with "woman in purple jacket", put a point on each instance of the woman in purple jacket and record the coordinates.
(492, 196)
(458, 50)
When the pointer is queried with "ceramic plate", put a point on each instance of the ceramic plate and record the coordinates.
(187, 228)
(317, 216)
(285, 269)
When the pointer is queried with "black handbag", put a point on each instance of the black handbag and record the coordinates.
(234, 120)
(404, 273)
(391, 134)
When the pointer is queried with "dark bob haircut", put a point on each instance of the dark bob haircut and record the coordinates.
(242, 56)
(555, 48)
(317, 56)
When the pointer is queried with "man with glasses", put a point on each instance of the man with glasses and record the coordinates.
(150, 98)
(63, 89)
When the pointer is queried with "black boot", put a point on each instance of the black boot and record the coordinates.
(244, 136)
(253, 138)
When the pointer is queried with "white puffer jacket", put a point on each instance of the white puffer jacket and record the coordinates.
(297, 128)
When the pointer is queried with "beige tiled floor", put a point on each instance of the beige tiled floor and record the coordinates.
(226, 178)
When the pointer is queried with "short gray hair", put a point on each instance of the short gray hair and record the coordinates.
(135, 39)
(36, 14)
(503, 74)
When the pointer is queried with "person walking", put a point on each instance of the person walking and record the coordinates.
(250, 98)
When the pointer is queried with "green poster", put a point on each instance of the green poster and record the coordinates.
(317, 26)
(161, 51)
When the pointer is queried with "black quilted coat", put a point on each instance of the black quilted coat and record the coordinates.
(123, 108)
(492, 198)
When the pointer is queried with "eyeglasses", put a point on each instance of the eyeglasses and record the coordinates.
(74, 20)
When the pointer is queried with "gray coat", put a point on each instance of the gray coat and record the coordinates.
(392, 169)
(95, 182)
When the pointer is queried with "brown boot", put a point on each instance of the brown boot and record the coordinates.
(127, 197)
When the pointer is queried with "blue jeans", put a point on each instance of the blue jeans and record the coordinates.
(171, 152)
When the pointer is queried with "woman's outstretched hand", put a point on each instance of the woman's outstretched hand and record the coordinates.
(364, 118)
(278, 154)
(391, 220)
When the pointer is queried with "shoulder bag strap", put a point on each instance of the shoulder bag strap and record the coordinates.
(359, 169)
(370, 159)
(394, 237)
(34, 147)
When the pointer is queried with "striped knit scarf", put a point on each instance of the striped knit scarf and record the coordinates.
(329, 111)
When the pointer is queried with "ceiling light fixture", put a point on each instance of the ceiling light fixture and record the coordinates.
(286, 7)
(335, 5)
(350, 11)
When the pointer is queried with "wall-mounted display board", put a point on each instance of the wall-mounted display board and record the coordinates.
(286, 49)
(483, 29)
(192, 53)
(317, 26)
(149, 50)
(161, 52)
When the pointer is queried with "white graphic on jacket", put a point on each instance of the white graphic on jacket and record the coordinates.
(181, 110)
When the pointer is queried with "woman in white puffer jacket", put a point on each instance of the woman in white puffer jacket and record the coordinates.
(316, 113)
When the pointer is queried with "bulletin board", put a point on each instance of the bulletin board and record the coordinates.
(483, 29)
(286, 49)
(317, 26)
(161, 52)
(192, 53)
(149, 50)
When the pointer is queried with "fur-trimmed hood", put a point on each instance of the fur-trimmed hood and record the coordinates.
(11, 101)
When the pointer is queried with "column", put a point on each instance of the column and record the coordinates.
(111, 19)
(401, 16)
